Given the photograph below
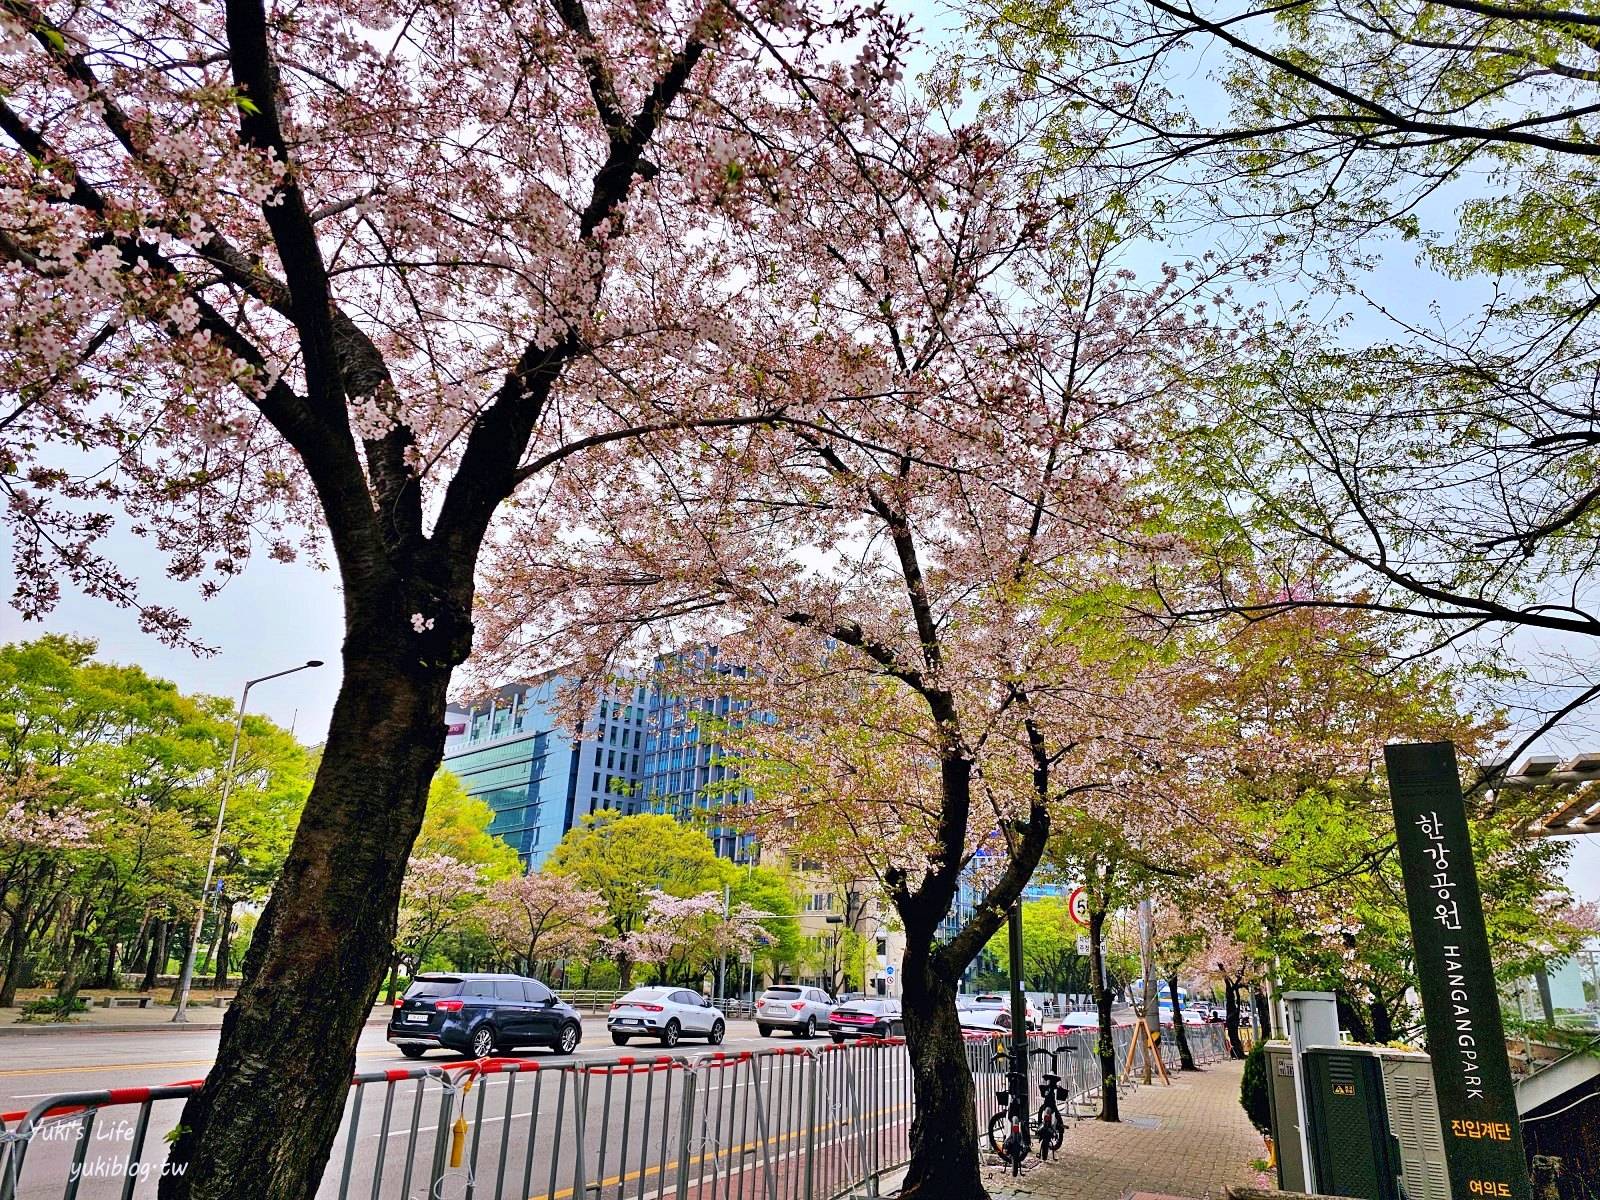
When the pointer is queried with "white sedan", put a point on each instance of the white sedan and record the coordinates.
(666, 1013)
(1082, 1019)
(997, 1000)
(984, 1020)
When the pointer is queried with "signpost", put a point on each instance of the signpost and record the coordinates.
(1455, 975)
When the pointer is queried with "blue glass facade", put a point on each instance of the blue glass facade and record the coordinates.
(682, 774)
(514, 754)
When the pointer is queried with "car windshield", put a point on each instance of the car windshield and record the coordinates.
(433, 987)
(649, 993)
(783, 993)
(867, 1006)
(989, 1002)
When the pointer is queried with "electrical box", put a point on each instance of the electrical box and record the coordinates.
(1406, 1098)
(1352, 1151)
(1285, 1117)
(1414, 1120)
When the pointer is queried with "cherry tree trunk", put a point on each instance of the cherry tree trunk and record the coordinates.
(944, 1139)
(16, 948)
(1231, 1009)
(156, 963)
(264, 1123)
(1105, 1043)
(1179, 1033)
(222, 951)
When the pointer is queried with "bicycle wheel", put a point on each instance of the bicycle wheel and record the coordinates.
(1051, 1131)
(999, 1133)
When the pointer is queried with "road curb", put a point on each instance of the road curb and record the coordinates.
(29, 1030)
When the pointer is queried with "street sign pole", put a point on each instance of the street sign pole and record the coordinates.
(1019, 1006)
(1455, 975)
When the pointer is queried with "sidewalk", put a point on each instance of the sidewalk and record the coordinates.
(1189, 1140)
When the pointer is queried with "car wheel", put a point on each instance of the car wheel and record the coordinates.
(620, 1039)
(766, 1030)
(811, 1027)
(717, 1031)
(567, 1042)
(483, 1042)
(412, 1051)
(669, 1035)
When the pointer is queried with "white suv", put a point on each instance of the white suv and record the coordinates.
(667, 1013)
(801, 1010)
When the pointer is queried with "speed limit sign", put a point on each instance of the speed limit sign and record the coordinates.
(1078, 906)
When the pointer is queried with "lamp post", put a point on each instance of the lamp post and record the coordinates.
(186, 980)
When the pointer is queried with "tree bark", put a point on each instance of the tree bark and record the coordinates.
(1263, 1013)
(16, 947)
(224, 926)
(1230, 993)
(944, 1136)
(1382, 1022)
(319, 951)
(1181, 1035)
(1105, 1044)
(157, 962)
(1351, 1017)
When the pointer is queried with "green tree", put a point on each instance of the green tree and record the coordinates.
(624, 858)
(458, 825)
(769, 890)
(1050, 958)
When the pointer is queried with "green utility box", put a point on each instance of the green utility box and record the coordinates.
(1352, 1149)
(1412, 1114)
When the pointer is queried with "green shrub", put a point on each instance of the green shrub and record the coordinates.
(1253, 1090)
(49, 1008)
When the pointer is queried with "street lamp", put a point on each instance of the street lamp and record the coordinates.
(187, 978)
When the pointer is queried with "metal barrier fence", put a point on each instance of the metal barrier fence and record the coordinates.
(797, 1123)
(789, 1123)
(1077, 1062)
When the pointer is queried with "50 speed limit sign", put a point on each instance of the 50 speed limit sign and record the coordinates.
(1078, 906)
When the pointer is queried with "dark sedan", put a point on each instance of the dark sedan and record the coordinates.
(482, 1015)
(865, 1018)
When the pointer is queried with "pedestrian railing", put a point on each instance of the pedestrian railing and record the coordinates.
(794, 1123)
(790, 1123)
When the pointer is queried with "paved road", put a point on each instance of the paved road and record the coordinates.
(572, 1123)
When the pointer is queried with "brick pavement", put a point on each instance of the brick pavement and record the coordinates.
(1189, 1140)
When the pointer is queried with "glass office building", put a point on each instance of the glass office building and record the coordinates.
(514, 753)
(682, 775)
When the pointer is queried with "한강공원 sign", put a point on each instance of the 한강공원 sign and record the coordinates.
(1466, 1040)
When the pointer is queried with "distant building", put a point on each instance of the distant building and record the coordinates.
(682, 775)
(514, 754)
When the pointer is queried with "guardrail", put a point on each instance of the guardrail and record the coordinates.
(789, 1123)
(794, 1123)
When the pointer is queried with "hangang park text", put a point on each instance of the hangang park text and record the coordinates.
(809, 599)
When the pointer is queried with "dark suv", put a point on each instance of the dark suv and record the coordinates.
(481, 1014)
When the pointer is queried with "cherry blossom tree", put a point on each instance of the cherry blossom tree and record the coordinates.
(542, 917)
(38, 837)
(438, 892)
(879, 568)
(338, 279)
(682, 935)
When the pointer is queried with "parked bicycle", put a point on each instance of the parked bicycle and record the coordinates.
(1009, 1128)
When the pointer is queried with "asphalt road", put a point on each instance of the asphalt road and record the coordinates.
(615, 1132)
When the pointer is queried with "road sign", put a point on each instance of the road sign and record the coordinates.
(889, 970)
(1455, 974)
(1078, 906)
(1083, 944)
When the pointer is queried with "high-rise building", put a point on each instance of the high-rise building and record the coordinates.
(516, 754)
(682, 773)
